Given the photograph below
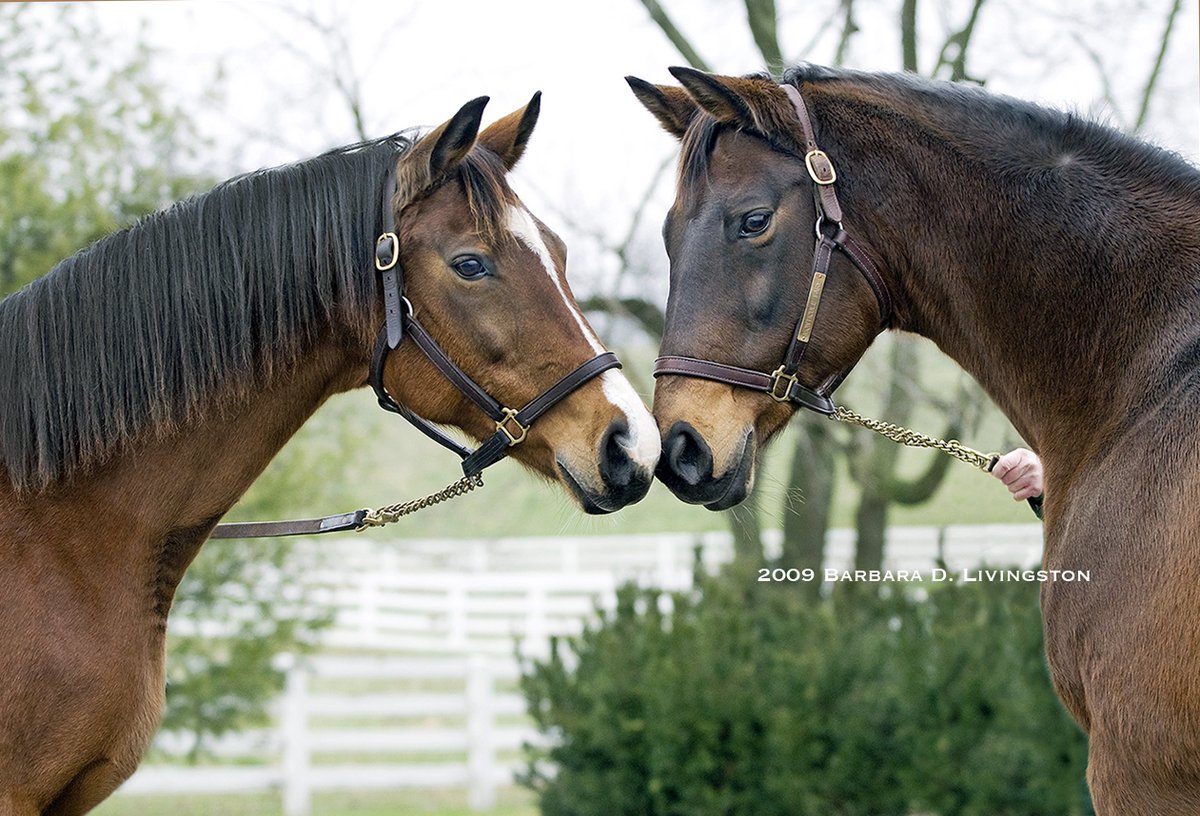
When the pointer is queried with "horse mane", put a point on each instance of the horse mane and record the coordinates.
(194, 307)
(1009, 136)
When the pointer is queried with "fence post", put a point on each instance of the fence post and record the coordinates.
(570, 555)
(297, 795)
(665, 556)
(537, 623)
(481, 750)
(456, 614)
(368, 605)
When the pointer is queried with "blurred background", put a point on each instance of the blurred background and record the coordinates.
(506, 652)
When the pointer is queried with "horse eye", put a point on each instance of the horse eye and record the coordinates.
(755, 223)
(469, 268)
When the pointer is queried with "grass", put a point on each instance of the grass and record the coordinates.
(511, 802)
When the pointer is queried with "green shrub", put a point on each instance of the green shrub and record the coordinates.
(744, 699)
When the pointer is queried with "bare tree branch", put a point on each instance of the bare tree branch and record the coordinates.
(908, 35)
(660, 17)
(762, 19)
(1152, 80)
(849, 29)
(954, 50)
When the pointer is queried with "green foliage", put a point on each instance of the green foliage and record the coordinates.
(749, 700)
(87, 144)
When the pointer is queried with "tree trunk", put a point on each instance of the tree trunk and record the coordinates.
(809, 500)
(746, 527)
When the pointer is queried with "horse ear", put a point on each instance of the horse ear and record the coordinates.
(507, 137)
(444, 147)
(671, 106)
(724, 97)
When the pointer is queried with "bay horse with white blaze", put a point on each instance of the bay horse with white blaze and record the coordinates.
(1054, 259)
(150, 378)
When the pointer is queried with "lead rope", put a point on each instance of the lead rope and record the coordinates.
(905, 436)
(392, 513)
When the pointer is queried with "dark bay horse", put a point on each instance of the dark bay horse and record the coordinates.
(1054, 259)
(149, 379)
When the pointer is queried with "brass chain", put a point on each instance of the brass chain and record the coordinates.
(904, 436)
(394, 512)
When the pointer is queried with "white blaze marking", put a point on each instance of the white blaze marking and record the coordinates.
(643, 432)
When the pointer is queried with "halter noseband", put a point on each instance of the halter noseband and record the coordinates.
(400, 322)
(782, 384)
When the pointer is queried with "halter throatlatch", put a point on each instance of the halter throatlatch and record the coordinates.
(783, 384)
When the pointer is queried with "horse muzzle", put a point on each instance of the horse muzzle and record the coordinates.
(686, 467)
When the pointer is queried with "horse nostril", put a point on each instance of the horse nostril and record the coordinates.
(687, 454)
(616, 466)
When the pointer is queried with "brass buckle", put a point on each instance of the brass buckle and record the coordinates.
(395, 259)
(777, 377)
(502, 425)
(820, 168)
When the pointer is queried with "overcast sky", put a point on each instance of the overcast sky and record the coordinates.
(596, 150)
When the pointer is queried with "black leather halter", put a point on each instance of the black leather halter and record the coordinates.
(400, 322)
(782, 383)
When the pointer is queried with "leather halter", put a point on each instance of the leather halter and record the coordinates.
(400, 322)
(782, 383)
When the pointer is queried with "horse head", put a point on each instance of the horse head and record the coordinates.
(743, 293)
(486, 278)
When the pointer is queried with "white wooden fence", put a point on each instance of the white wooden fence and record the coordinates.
(666, 559)
(462, 711)
(502, 598)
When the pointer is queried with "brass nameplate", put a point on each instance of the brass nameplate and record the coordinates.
(810, 309)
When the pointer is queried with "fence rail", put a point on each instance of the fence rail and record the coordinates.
(476, 721)
(504, 597)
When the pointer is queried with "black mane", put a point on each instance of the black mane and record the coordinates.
(1009, 135)
(1012, 135)
(202, 299)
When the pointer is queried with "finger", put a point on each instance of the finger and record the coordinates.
(1003, 465)
(1017, 473)
(1026, 488)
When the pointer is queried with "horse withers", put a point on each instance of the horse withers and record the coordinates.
(1054, 259)
(150, 378)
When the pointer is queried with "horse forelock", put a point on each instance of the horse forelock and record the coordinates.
(482, 178)
(187, 310)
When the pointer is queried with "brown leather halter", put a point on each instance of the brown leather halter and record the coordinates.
(400, 321)
(782, 383)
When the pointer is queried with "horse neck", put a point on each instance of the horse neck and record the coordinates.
(1063, 282)
(139, 520)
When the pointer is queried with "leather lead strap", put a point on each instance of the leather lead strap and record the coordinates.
(272, 529)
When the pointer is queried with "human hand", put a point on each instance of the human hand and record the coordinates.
(1021, 472)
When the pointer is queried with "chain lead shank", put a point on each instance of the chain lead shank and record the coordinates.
(905, 436)
(394, 512)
